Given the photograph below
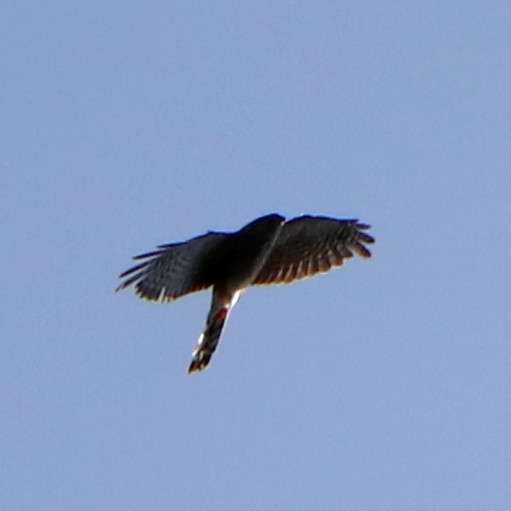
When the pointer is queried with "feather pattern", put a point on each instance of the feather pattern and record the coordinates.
(309, 245)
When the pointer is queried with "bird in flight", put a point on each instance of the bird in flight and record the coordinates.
(268, 250)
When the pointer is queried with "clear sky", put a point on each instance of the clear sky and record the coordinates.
(385, 385)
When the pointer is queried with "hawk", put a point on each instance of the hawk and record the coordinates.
(268, 250)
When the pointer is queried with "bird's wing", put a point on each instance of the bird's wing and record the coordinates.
(309, 245)
(174, 269)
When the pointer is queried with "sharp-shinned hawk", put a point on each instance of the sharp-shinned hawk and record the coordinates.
(269, 250)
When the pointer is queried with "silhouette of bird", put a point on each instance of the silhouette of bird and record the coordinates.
(268, 250)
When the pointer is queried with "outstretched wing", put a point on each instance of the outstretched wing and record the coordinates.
(174, 269)
(309, 245)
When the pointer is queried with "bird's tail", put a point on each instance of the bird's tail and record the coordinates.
(209, 339)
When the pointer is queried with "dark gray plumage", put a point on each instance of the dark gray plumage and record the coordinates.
(268, 250)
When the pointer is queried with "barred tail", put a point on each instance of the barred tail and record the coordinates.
(208, 341)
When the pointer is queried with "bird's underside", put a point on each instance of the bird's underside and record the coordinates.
(269, 250)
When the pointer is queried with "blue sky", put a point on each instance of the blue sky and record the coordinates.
(384, 385)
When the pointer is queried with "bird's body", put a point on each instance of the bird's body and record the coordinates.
(268, 250)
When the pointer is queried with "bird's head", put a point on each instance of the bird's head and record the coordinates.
(263, 227)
